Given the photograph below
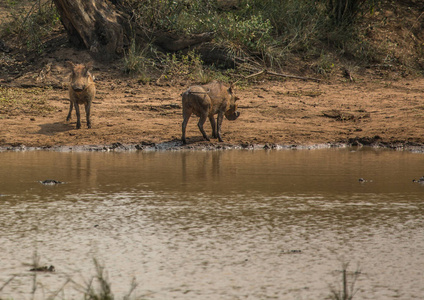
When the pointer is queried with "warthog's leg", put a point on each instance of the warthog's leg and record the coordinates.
(202, 121)
(70, 111)
(77, 110)
(218, 129)
(186, 115)
(213, 125)
(87, 114)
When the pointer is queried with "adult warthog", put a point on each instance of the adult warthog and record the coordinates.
(82, 90)
(205, 101)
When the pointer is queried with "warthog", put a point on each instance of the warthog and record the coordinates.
(82, 90)
(207, 100)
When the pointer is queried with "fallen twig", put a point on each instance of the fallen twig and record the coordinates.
(265, 71)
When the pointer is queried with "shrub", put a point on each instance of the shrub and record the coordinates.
(33, 25)
(345, 12)
(268, 30)
(188, 65)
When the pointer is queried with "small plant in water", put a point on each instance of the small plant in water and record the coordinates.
(103, 292)
(7, 282)
(97, 288)
(347, 290)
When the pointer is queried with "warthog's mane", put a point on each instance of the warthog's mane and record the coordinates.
(192, 92)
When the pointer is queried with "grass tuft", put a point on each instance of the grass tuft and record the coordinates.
(103, 290)
(347, 289)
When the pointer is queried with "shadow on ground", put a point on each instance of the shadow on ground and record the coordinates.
(51, 129)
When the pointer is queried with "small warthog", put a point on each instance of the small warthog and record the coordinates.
(82, 90)
(207, 100)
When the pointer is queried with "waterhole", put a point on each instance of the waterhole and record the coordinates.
(213, 224)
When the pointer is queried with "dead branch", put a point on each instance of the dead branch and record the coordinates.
(265, 71)
(293, 76)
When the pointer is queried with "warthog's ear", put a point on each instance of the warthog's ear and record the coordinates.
(89, 66)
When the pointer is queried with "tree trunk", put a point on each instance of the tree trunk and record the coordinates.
(93, 24)
(103, 29)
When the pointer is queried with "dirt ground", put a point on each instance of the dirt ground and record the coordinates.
(370, 111)
(382, 107)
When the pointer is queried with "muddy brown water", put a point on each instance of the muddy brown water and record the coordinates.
(213, 224)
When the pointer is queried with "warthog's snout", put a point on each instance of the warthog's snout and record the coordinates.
(77, 88)
(232, 113)
(233, 116)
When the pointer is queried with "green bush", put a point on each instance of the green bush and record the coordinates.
(269, 30)
(136, 60)
(344, 13)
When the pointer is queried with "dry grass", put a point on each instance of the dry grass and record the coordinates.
(16, 101)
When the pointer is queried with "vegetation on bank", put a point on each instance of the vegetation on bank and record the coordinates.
(308, 36)
(257, 34)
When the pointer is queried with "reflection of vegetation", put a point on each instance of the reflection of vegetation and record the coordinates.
(14, 101)
(103, 291)
(97, 288)
(7, 282)
(100, 288)
(347, 289)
